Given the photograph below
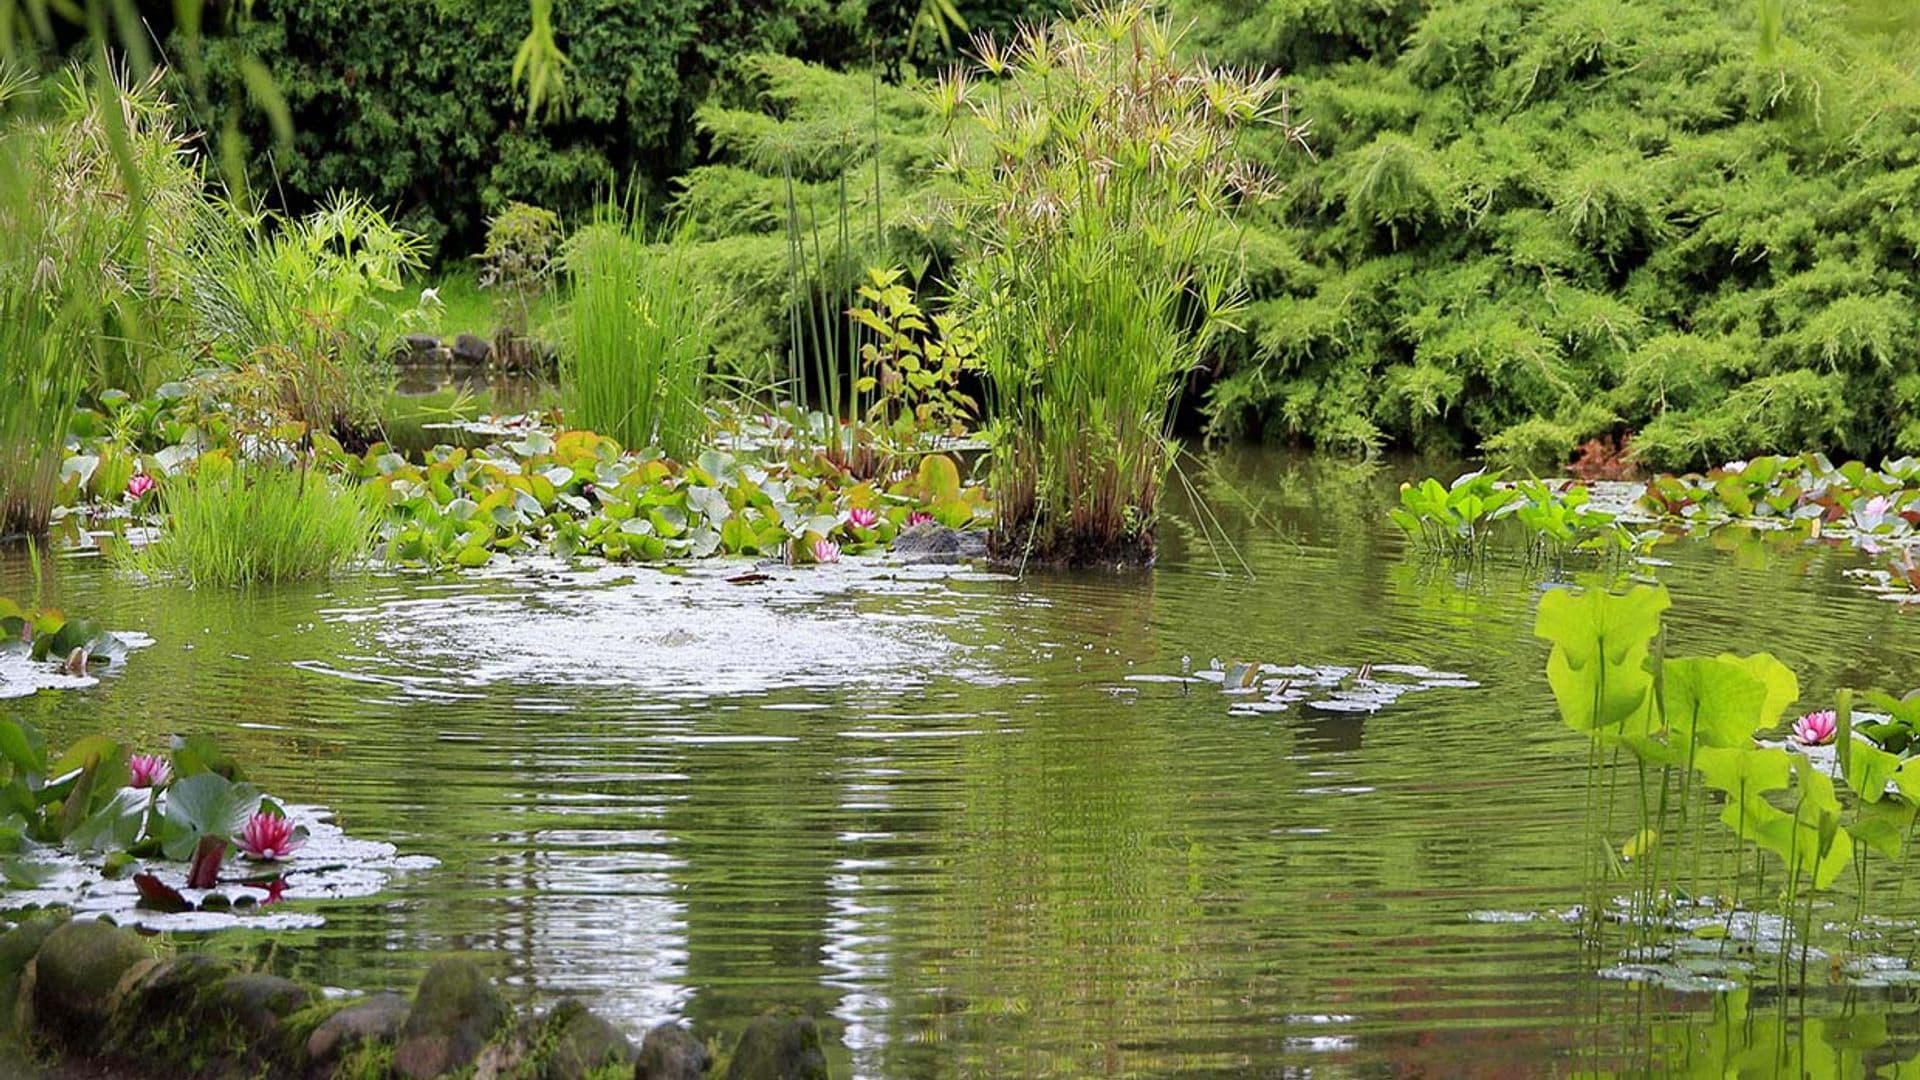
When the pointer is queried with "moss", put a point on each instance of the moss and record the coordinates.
(366, 1061)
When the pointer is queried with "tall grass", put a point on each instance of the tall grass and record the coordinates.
(94, 188)
(639, 335)
(233, 525)
(1097, 179)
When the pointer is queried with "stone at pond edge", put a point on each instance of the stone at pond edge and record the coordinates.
(454, 1014)
(933, 543)
(377, 1019)
(472, 349)
(149, 997)
(17, 949)
(568, 1043)
(670, 1052)
(76, 973)
(780, 1044)
(258, 1002)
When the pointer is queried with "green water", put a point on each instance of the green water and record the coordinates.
(947, 815)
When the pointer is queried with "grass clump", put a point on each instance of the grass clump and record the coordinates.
(234, 524)
(1097, 192)
(639, 334)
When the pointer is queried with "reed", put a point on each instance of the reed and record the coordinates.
(256, 523)
(1098, 174)
(639, 335)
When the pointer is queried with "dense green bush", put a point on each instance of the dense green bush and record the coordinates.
(1527, 224)
(410, 103)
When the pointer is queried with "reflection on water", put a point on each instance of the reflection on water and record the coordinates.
(983, 826)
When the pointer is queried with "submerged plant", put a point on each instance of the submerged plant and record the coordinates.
(1095, 208)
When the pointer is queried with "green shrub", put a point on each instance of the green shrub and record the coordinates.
(1525, 225)
(94, 192)
(1093, 198)
(517, 266)
(639, 336)
(231, 524)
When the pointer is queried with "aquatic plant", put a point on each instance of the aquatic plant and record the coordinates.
(1093, 211)
(914, 366)
(639, 335)
(140, 486)
(861, 517)
(269, 837)
(826, 551)
(234, 523)
(1684, 733)
(1461, 519)
(149, 770)
(1815, 728)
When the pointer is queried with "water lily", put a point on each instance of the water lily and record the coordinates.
(149, 770)
(1878, 506)
(862, 518)
(825, 551)
(269, 837)
(918, 517)
(1816, 728)
(140, 486)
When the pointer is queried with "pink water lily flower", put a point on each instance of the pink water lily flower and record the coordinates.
(1816, 728)
(269, 837)
(1878, 506)
(862, 518)
(140, 486)
(918, 517)
(149, 770)
(825, 551)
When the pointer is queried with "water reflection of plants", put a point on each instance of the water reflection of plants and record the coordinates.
(1674, 741)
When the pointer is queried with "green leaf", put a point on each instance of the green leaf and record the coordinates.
(204, 805)
(1715, 701)
(1598, 669)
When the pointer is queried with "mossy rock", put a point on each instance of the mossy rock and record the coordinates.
(780, 1044)
(570, 1042)
(670, 1052)
(337, 1036)
(455, 1012)
(75, 975)
(18, 947)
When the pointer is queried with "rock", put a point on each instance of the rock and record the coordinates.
(150, 996)
(780, 1044)
(932, 542)
(670, 1052)
(455, 1012)
(472, 349)
(258, 1002)
(569, 1043)
(17, 949)
(421, 345)
(76, 973)
(377, 1019)
(578, 1041)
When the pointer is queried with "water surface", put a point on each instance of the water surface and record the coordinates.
(974, 822)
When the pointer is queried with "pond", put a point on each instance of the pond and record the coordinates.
(982, 826)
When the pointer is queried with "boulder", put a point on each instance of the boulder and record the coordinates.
(929, 542)
(780, 1044)
(256, 1003)
(149, 997)
(472, 349)
(76, 973)
(17, 949)
(377, 1019)
(670, 1052)
(455, 1012)
(568, 1043)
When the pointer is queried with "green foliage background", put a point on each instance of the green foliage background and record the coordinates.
(1530, 223)
(410, 102)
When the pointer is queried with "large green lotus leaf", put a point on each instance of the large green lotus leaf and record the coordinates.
(1600, 698)
(1711, 701)
(1746, 769)
(206, 804)
(1883, 825)
(1868, 769)
(1783, 688)
(1598, 669)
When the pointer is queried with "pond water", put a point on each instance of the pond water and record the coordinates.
(977, 824)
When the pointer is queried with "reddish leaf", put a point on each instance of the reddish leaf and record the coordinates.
(207, 856)
(159, 895)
